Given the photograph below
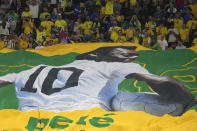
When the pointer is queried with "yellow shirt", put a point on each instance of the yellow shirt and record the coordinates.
(146, 42)
(129, 34)
(40, 35)
(184, 33)
(189, 24)
(195, 41)
(150, 32)
(109, 7)
(114, 34)
(162, 30)
(87, 27)
(121, 1)
(132, 2)
(121, 39)
(194, 9)
(102, 11)
(47, 25)
(26, 14)
(178, 23)
(28, 27)
(1, 44)
(23, 44)
(60, 24)
(135, 39)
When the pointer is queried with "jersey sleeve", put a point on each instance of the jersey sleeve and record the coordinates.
(124, 69)
(9, 77)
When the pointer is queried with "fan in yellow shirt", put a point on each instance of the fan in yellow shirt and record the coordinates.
(136, 23)
(87, 26)
(195, 39)
(121, 38)
(113, 31)
(60, 23)
(28, 25)
(40, 34)
(178, 21)
(150, 24)
(192, 23)
(184, 33)
(146, 42)
(161, 29)
(47, 24)
(1, 44)
(26, 13)
(133, 2)
(109, 7)
(23, 41)
(129, 32)
(193, 6)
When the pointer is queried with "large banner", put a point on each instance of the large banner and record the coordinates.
(98, 86)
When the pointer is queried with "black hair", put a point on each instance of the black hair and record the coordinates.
(101, 53)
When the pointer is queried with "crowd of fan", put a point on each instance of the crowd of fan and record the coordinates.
(156, 24)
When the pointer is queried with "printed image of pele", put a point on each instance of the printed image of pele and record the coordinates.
(92, 80)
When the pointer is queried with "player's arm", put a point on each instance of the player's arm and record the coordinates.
(4, 83)
(167, 87)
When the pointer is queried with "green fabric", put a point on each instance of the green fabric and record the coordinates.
(180, 64)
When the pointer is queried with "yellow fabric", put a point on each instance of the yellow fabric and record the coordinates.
(150, 32)
(114, 34)
(195, 41)
(40, 35)
(184, 33)
(121, 39)
(129, 34)
(121, 1)
(190, 24)
(60, 23)
(14, 120)
(178, 23)
(26, 14)
(87, 27)
(109, 8)
(1, 44)
(102, 12)
(28, 27)
(23, 44)
(194, 9)
(162, 30)
(47, 25)
(145, 42)
(132, 2)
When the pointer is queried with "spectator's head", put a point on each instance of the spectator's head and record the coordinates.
(146, 34)
(87, 18)
(59, 16)
(120, 33)
(183, 26)
(45, 9)
(171, 5)
(97, 30)
(115, 23)
(54, 11)
(179, 42)
(158, 8)
(27, 8)
(69, 3)
(41, 28)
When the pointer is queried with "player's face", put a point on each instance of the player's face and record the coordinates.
(123, 55)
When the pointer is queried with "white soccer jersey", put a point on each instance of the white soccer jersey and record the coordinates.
(81, 85)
